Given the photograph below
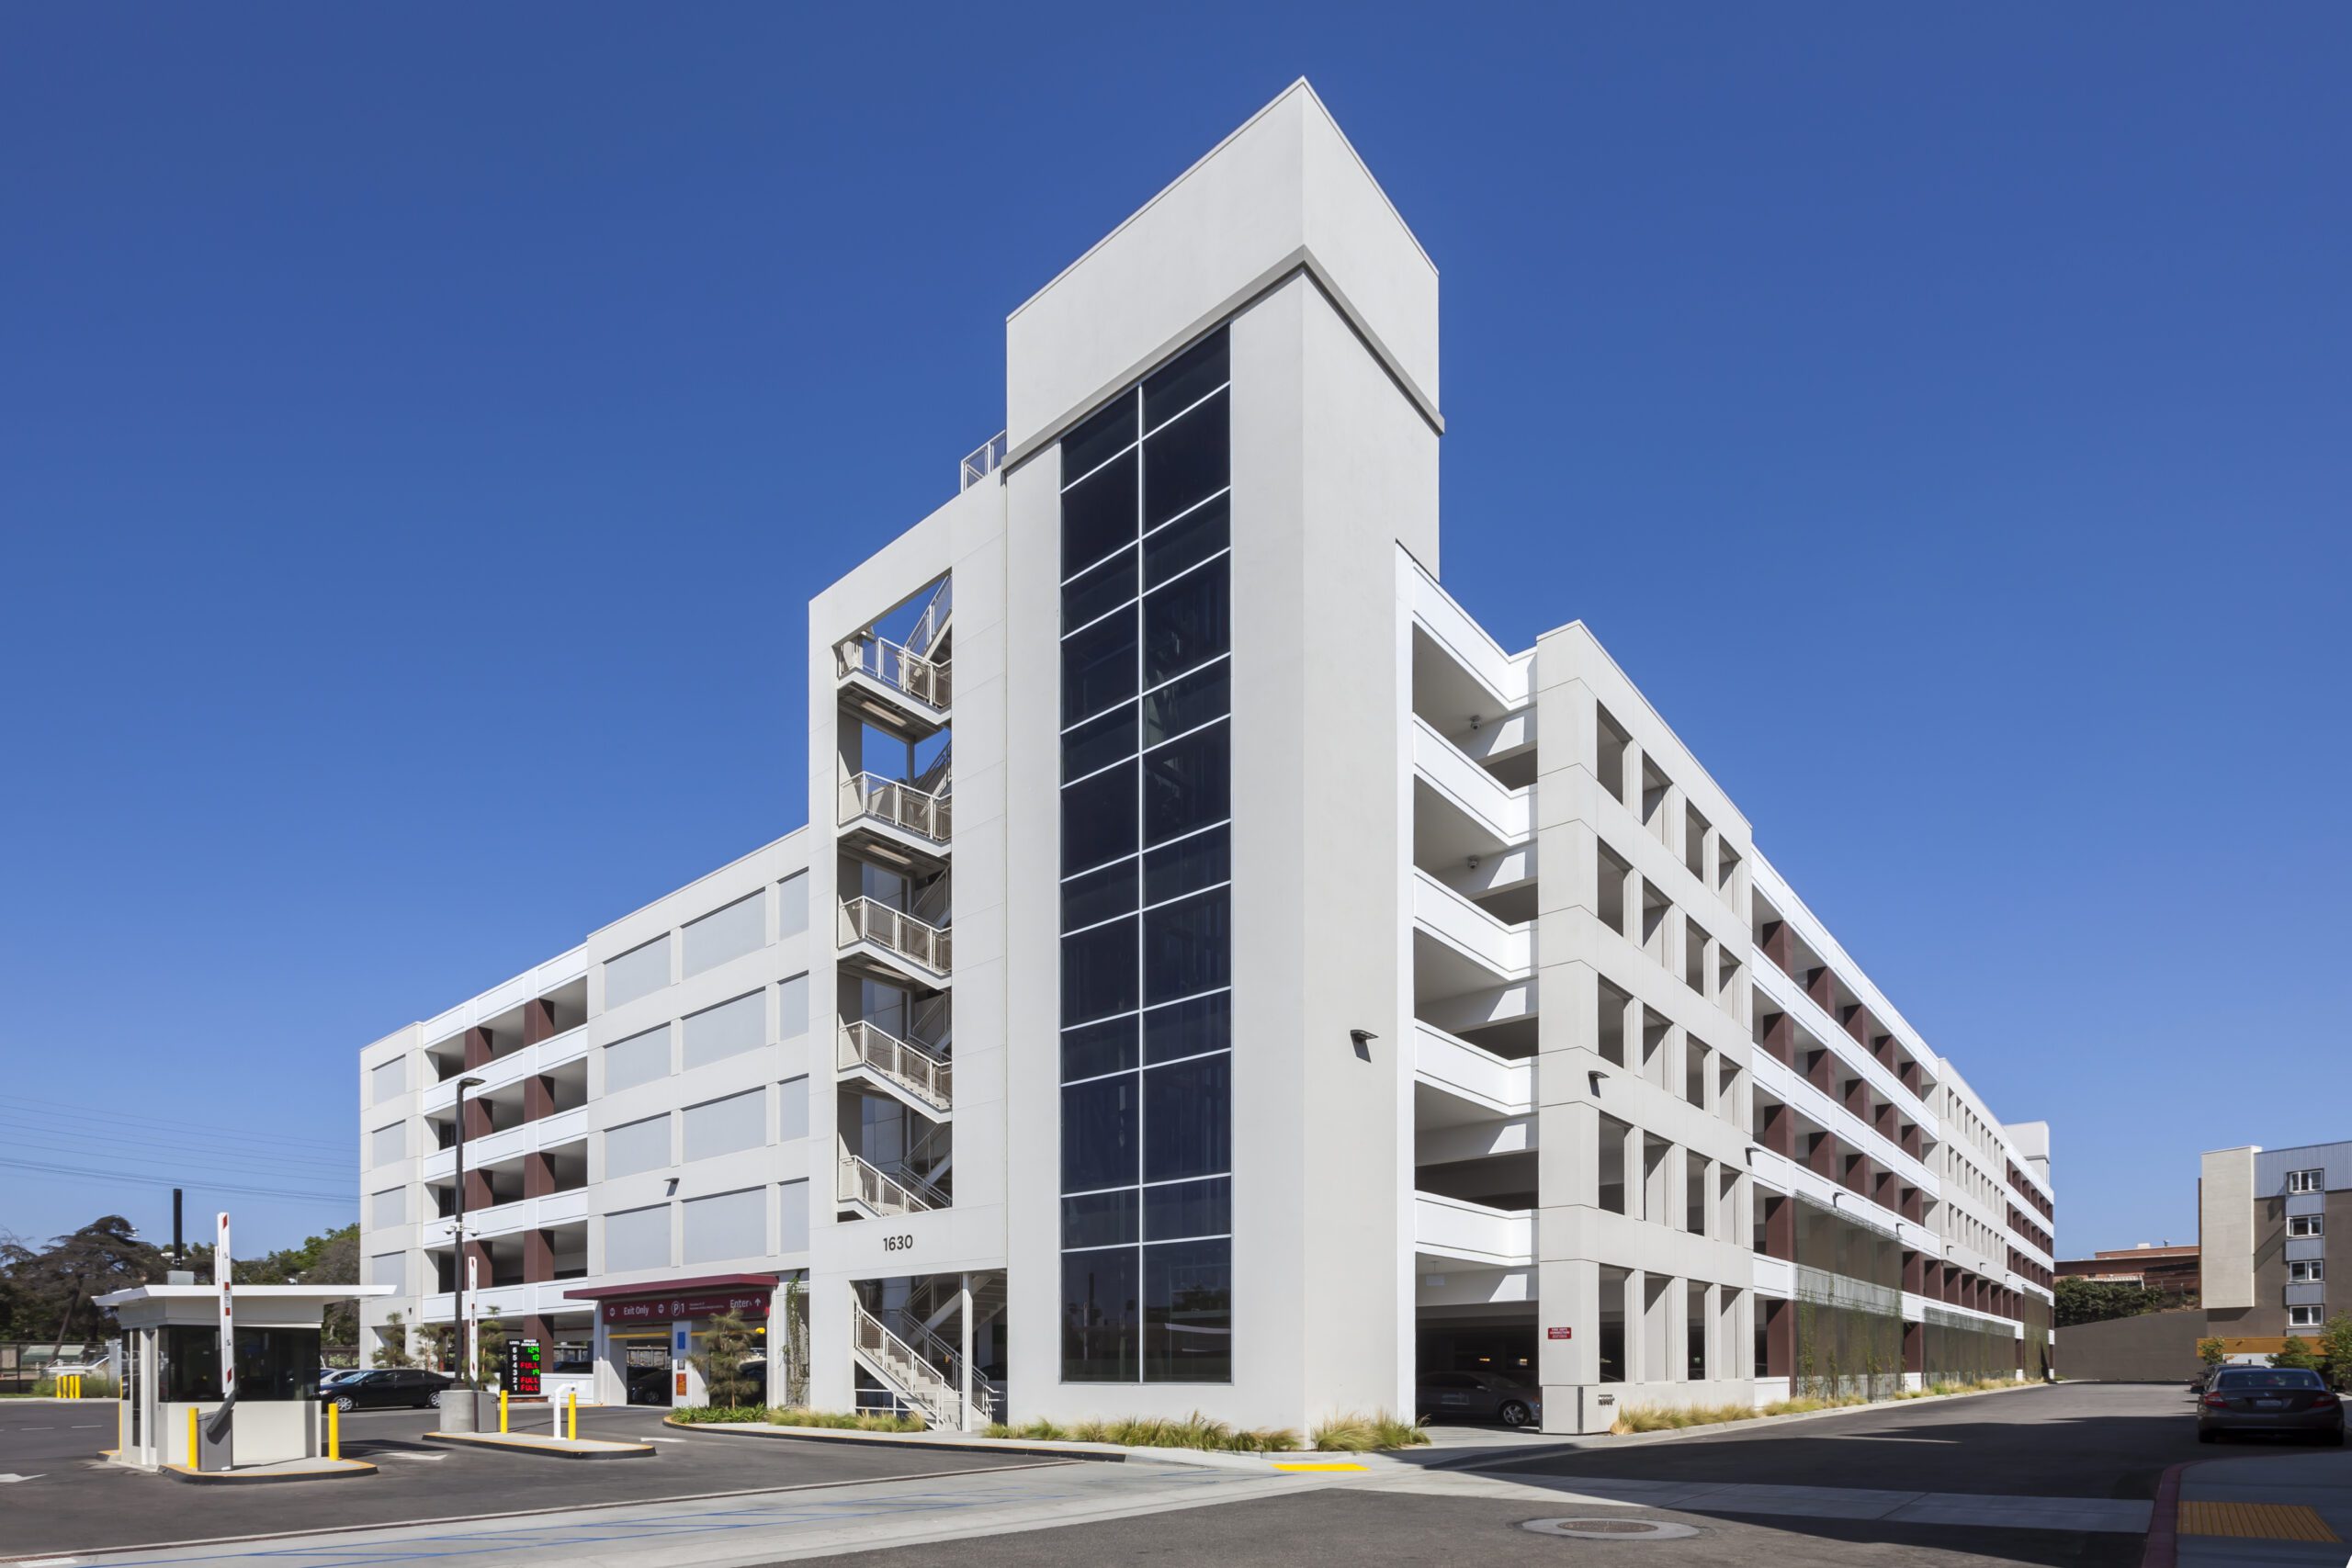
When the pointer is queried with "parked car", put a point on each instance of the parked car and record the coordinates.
(378, 1388)
(1477, 1396)
(2289, 1400)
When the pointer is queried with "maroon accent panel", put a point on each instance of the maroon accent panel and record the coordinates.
(1914, 1206)
(1858, 1099)
(1858, 1174)
(1780, 1228)
(1780, 1131)
(2016, 1354)
(1822, 1158)
(1915, 1346)
(1780, 946)
(1915, 1273)
(1909, 1073)
(1861, 1024)
(538, 1328)
(538, 1020)
(1883, 1120)
(1781, 1039)
(538, 1255)
(481, 1255)
(1817, 986)
(538, 1177)
(1914, 1142)
(1883, 1185)
(539, 1098)
(478, 1193)
(1780, 1339)
(1818, 1071)
(477, 1048)
(1883, 1049)
(478, 1119)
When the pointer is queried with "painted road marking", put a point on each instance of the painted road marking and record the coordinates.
(6, 1479)
(2264, 1522)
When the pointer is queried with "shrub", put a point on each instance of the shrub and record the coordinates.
(1355, 1434)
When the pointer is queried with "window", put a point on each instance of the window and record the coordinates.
(280, 1365)
(792, 905)
(1146, 863)
(638, 1238)
(639, 972)
(739, 927)
(2303, 1317)
(388, 1081)
(2305, 1224)
(725, 1126)
(2307, 1180)
(728, 1029)
(2305, 1271)
(635, 1146)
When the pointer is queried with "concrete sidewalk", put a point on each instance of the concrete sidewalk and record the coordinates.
(2267, 1508)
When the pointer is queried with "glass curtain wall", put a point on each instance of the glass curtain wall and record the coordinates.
(1145, 907)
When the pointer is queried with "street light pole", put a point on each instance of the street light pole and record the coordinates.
(465, 1371)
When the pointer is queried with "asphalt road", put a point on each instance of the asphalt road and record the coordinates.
(73, 1500)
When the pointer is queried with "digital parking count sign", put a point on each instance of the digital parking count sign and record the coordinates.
(522, 1369)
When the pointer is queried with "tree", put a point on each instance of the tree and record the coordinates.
(50, 1291)
(795, 1343)
(2335, 1349)
(728, 1343)
(2296, 1352)
(2099, 1301)
(392, 1343)
(490, 1356)
(440, 1346)
(2211, 1352)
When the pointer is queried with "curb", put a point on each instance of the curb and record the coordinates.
(537, 1448)
(2163, 1549)
(942, 1443)
(1604, 1442)
(350, 1470)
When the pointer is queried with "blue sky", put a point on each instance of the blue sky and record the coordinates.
(421, 428)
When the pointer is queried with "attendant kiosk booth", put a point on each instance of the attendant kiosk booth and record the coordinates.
(170, 1367)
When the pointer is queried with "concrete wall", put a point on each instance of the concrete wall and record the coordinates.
(2225, 1223)
(2158, 1347)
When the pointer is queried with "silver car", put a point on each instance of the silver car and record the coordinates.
(2286, 1400)
(1477, 1396)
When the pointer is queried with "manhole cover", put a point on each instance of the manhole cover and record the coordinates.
(1612, 1529)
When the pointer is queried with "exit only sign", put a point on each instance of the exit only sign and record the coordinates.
(1559, 1333)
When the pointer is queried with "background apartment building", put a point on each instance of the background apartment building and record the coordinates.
(2266, 1221)
(1218, 974)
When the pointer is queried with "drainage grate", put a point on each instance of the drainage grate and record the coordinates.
(1612, 1529)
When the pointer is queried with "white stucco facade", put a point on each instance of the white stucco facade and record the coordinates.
(1492, 1043)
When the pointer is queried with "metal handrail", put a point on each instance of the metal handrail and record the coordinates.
(895, 666)
(862, 1181)
(925, 634)
(941, 1401)
(863, 919)
(983, 460)
(898, 803)
(927, 1077)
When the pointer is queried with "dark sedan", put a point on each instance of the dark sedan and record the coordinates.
(2286, 1400)
(1477, 1396)
(386, 1387)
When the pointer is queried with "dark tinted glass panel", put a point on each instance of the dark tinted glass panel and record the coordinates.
(1186, 621)
(191, 1363)
(1098, 971)
(1098, 1301)
(1188, 1312)
(1187, 785)
(1099, 743)
(1100, 589)
(1099, 894)
(1187, 1118)
(1099, 514)
(277, 1364)
(1099, 1134)
(1186, 867)
(1099, 665)
(1188, 1028)
(1094, 1049)
(1192, 538)
(1100, 1219)
(1187, 1207)
(1185, 380)
(1099, 818)
(1187, 703)
(1088, 443)
(1182, 463)
(1187, 947)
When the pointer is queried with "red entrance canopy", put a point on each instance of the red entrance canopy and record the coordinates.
(661, 1300)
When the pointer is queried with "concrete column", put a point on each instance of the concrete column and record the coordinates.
(1780, 1038)
(538, 1020)
(1915, 1273)
(539, 1098)
(538, 1175)
(1638, 1335)
(478, 1193)
(1780, 945)
(1779, 1339)
(477, 1048)
(1915, 1348)
(1817, 986)
(1779, 1130)
(1823, 1159)
(1780, 1228)
(964, 1316)
(538, 1255)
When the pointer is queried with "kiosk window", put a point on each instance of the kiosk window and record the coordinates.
(277, 1364)
(191, 1363)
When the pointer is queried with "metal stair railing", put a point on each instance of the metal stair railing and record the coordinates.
(865, 919)
(862, 1181)
(924, 637)
(898, 803)
(899, 1362)
(895, 666)
(928, 1078)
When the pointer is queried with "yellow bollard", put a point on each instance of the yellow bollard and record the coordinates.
(334, 1431)
(574, 1433)
(501, 1411)
(191, 1439)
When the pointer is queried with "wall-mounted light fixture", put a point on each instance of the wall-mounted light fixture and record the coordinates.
(1364, 1039)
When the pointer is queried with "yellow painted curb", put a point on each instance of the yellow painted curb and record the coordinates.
(1279, 1465)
